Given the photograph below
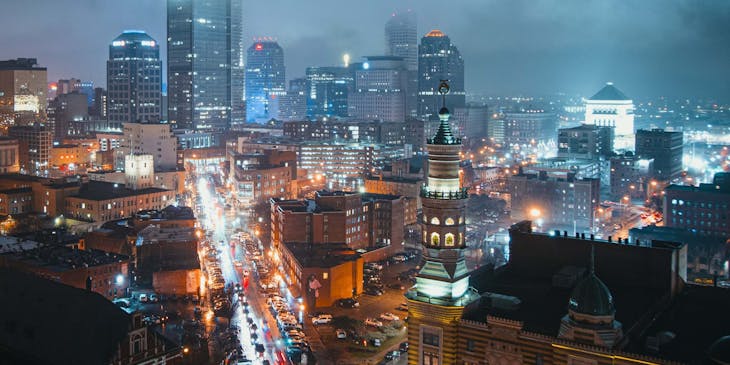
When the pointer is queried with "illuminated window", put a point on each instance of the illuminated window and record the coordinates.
(461, 239)
(435, 239)
(425, 220)
(449, 221)
(425, 236)
(449, 239)
(325, 275)
(435, 220)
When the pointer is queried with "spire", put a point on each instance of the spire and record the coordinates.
(444, 134)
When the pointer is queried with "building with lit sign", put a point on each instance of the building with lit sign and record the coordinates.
(610, 107)
(134, 78)
(265, 80)
(23, 87)
(205, 66)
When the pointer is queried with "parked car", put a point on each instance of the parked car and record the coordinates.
(154, 298)
(402, 307)
(348, 303)
(387, 316)
(375, 342)
(323, 319)
(373, 322)
(373, 291)
(341, 334)
(403, 347)
(143, 298)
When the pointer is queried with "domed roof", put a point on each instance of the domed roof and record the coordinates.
(592, 297)
(435, 33)
(609, 92)
(719, 351)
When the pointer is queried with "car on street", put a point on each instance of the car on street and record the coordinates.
(323, 319)
(403, 347)
(397, 286)
(375, 342)
(387, 316)
(341, 333)
(373, 322)
(153, 298)
(348, 303)
(373, 291)
(402, 307)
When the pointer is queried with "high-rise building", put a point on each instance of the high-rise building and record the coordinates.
(134, 78)
(265, 80)
(665, 148)
(401, 39)
(98, 107)
(442, 284)
(23, 87)
(293, 104)
(379, 92)
(439, 59)
(609, 107)
(586, 141)
(327, 91)
(63, 110)
(34, 147)
(67, 86)
(205, 63)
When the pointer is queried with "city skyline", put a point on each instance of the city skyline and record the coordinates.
(538, 48)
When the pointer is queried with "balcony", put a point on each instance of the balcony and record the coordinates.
(446, 195)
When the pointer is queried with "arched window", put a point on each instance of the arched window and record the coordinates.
(461, 239)
(449, 239)
(449, 221)
(425, 237)
(435, 220)
(435, 239)
(461, 220)
(425, 219)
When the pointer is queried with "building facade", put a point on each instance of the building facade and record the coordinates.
(23, 88)
(379, 91)
(701, 209)
(134, 78)
(439, 59)
(555, 202)
(205, 63)
(100, 202)
(327, 90)
(630, 176)
(666, 148)
(265, 80)
(401, 40)
(529, 127)
(586, 142)
(34, 148)
(153, 139)
(610, 107)
(9, 154)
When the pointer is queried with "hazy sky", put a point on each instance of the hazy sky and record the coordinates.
(528, 47)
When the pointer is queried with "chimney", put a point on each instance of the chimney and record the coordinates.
(577, 235)
(592, 237)
(565, 233)
(619, 240)
(582, 236)
(610, 239)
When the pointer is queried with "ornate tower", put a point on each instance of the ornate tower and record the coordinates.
(442, 285)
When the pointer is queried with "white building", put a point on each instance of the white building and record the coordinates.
(610, 107)
(139, 171)
(148, 139)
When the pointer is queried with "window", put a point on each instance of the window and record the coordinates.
(449, 239)
(430, 358)
(470, 345)
(435, 220)
(435, 239)
(449, 221)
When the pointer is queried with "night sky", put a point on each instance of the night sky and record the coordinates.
(527, 47)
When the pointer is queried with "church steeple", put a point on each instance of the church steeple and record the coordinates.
(444, 136)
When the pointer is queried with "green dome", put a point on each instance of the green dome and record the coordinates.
(592, 297)
(719, 351)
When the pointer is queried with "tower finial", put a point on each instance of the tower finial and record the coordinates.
(443, 90)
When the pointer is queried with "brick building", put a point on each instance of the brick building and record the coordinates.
(100, 202)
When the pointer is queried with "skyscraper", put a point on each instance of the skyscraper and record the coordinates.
(328, 88)
(265, 80)
(379, 92)
(205, 63)
(134, 78)
(439, 59)
(401, 39)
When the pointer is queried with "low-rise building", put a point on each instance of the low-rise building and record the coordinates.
(100, 202)
(98, 271)
(9, 155)
(587, 141)
(16, 201)
(69, 158)
(258, 177)
(702, 209)
(322, 273)
(168, 258)
(630, 176)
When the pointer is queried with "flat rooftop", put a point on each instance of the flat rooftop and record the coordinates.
(102, 190)
(61, 258)
(324, 255)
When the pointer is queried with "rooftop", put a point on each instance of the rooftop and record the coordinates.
(170, 212)
(59, 258)
(38, 313)
(323, 255)
(101, 190)
(435, 33)
(609, 92)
